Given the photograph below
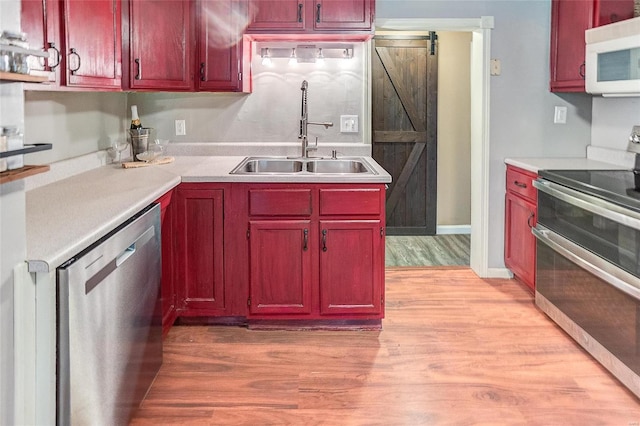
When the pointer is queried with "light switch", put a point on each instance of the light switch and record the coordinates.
(348, 124)
(560, 115)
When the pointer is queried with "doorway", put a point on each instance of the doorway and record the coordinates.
(480, 160)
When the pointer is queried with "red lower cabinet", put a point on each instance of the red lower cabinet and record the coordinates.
(316, 252)
(520, 216)
(200, 250)
(310, 253)
(280, 267)
(350, 270)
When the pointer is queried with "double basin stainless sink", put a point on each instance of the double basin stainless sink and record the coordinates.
(316, 166)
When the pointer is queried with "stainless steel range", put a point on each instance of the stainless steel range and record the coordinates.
(588, 263)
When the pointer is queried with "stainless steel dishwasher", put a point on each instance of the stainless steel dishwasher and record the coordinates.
(109, 324)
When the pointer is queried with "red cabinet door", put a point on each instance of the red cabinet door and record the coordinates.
(280, 267)
(200, 251)
(161, 42)
(40, 19)
(342, 14)
(569, 20)
(276, 15)
(520, 243)
(93, 43)
(351, 267)
(219, 45)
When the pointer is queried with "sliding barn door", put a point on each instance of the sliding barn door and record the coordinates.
(404, 109)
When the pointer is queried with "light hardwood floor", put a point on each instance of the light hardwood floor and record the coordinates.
(454, 349)
(427, 250)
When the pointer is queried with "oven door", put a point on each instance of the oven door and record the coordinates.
(587, 275)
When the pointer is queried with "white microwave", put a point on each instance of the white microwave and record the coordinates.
(613, 59)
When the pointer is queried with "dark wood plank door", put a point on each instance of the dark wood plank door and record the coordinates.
(404, 120)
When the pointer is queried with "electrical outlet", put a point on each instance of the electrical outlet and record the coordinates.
(348, 124)
(181, 128)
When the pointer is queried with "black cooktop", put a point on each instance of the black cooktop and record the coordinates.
(616, 186)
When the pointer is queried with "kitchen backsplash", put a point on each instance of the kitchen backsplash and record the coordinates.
(612, 120)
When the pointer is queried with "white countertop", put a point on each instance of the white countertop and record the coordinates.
(536, 164)
(67, 216)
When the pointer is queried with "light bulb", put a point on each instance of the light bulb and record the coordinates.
(320, 58)
(293, 61)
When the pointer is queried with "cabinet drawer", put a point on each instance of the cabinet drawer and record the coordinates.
(350, 201)
(521, 182)
(280, 202)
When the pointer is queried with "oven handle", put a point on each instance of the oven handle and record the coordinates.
(589, 203)
(618, 278)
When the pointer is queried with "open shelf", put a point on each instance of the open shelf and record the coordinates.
(11, 175)
(12, 76)
(26, 150)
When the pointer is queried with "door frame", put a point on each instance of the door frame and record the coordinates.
(480, 159)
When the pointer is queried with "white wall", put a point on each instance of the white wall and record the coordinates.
(454, 128)
(271, 112)
(75, 123)
(521, 105)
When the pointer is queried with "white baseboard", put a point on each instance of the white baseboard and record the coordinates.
(453, 229)
(499, 273)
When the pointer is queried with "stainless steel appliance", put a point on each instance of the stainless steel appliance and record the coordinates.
(109, 324)
(588, 264)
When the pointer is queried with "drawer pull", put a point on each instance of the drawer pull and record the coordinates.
(519, 184)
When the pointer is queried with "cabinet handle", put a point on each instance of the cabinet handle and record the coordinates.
(299, 12)
(139, 72)
(74, 52)
(324, 240)
(306, 239)
(318, 6)
(519, 184)
(581, 69)
(202, 65)
(53, 46)
(531, 216)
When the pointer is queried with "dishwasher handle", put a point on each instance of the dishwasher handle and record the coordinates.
(126, 254)
(119, 260)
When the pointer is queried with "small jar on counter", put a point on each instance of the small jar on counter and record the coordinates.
(14, 141)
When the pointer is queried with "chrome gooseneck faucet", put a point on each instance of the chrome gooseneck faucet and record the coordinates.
(304, 123)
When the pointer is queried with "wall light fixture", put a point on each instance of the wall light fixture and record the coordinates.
(307, 53)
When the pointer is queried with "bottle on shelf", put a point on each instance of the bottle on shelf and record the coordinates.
(135, 120)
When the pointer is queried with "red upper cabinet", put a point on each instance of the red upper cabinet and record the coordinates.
(83, 38)
(160, 43)
(93, 43)
(569, 20)
(41, 21)
(343, 15)
(219, 62)
(610, 11)
(276, 15)
(310, 16)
